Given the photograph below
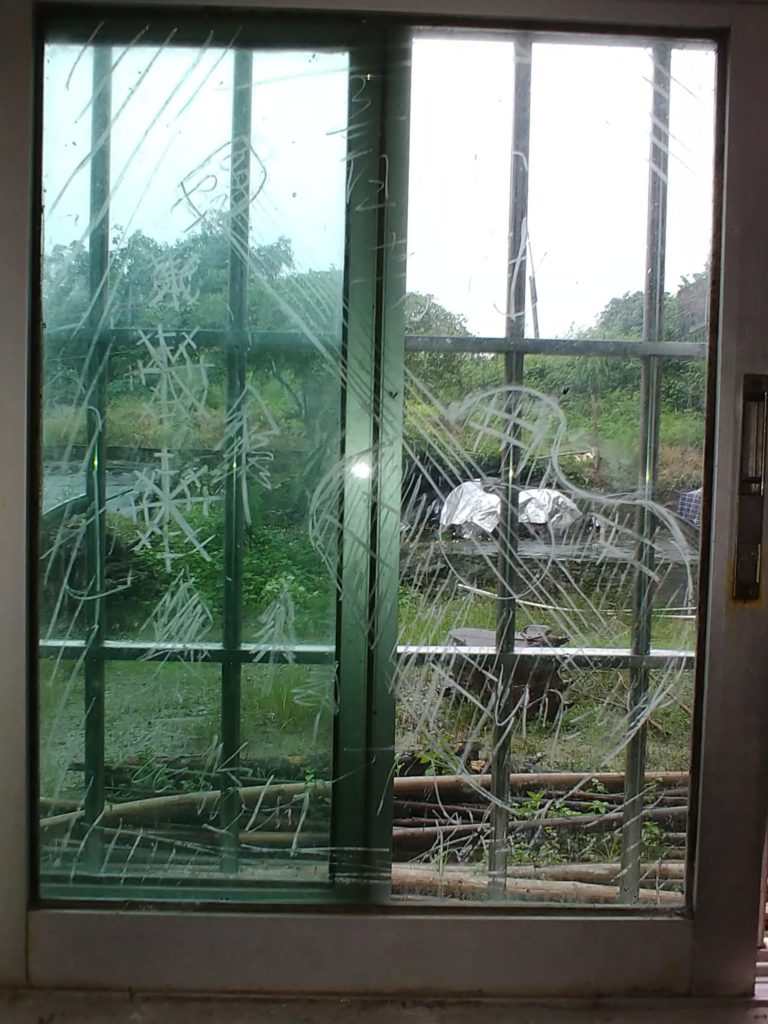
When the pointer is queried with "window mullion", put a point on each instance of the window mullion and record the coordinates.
(510, 459)
(650, 426)
(396, 71)
(356, 468)
(95, 385)
(235, 448)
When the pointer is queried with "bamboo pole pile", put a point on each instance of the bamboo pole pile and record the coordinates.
(446, 883)
(437, 820)
(428, 811)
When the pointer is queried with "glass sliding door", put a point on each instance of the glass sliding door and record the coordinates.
(557, 322)
(194, 288)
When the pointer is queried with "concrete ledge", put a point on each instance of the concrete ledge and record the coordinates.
(65, 1007)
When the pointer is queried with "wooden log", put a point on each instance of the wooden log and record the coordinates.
(442, 821)
(464, 884)
(205, 801)
(598, 872)
(193, 804)
(567, 821)
(441, 807)
(579, 820)
(581, 794)
(425, 833)
(676, 837)
(271, 840)
(430, 833)
(49, 805)
(403, 804)
(418, 784)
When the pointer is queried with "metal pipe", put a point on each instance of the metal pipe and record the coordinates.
(513, 377)
(95, 386)
(645, 521)
(239, 251)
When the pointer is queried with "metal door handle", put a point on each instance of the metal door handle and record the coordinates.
(751, 494)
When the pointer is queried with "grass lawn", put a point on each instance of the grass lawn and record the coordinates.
(157, 711)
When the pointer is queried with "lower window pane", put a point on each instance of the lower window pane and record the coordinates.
(166, 827)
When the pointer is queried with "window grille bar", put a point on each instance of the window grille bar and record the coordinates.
(235, 448)
(598, 658)
(95, 384)
(123, 338)
(645, 522)
(513, 375)
(611, 348)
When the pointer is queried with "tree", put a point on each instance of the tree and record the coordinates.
(445, 376)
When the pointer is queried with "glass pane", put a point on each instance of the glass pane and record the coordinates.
(192, 397)
(552, 497)
(160, 831)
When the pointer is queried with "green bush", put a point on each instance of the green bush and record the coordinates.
(275, 560)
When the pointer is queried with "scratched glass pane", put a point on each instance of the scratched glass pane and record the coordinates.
(227, 551)
(556, 772)
(200, 366)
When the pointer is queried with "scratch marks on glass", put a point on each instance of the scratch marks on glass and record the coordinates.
(172, 281)
(241, 311)
(206, 189)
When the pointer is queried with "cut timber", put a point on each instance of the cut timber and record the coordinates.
(667, 871)
(593, 821)
(206, 801)
(418, 784)
(193, 804)
(49, 806)
(421, 834)
(425, 881)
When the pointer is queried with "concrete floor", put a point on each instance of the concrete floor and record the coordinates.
(101, 1008)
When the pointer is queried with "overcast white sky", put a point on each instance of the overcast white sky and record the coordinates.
(590, 117)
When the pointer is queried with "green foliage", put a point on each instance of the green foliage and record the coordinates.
(683, 380)
(550, 845)
(275, 560)
(439, 378)
(279, 564)
(181, 285)
(600, 396)
(184, 285)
